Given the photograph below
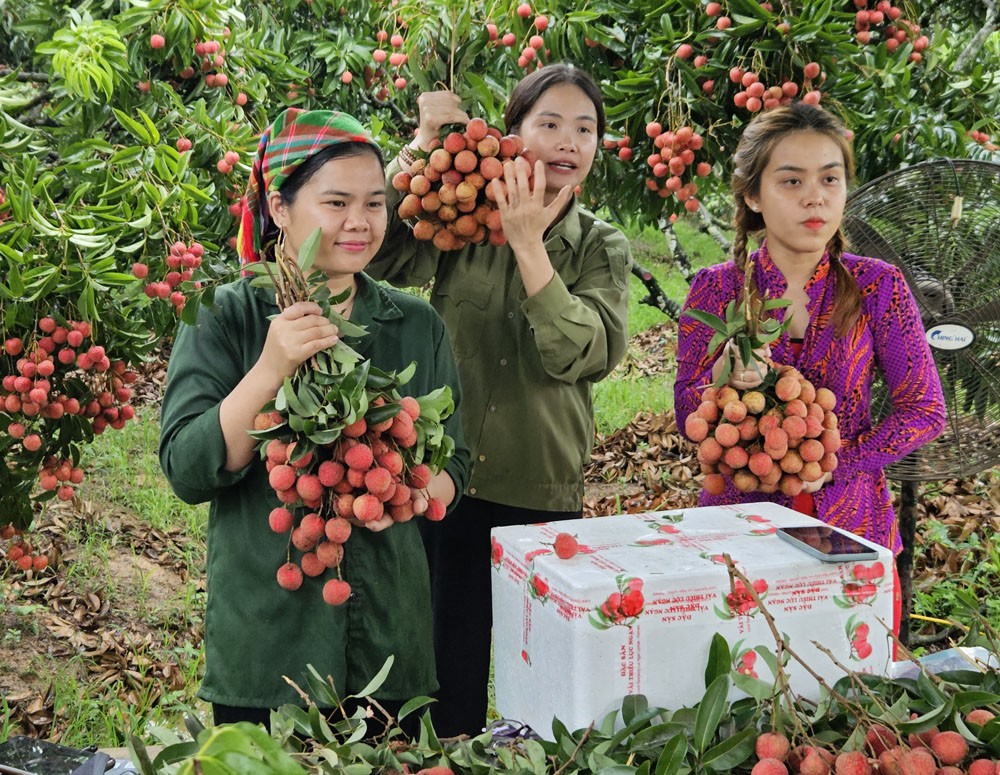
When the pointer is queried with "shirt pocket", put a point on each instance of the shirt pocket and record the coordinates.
(464, 307)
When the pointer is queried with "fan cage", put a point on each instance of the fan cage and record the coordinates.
(939, 222)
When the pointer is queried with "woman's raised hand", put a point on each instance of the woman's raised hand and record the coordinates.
(521, 202)
(437, 109)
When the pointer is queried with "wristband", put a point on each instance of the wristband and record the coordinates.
(406, 156)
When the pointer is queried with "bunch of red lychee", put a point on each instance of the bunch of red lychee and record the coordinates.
(885, 22)
(755, 95)
(181, 262)
(365, 475)
(20, 551)
(58, 372)
(770, 440)
(932, 752)
(674, 155)
(448, 195)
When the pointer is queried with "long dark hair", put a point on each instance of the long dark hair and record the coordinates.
(753, 154)
(303, 174)
(533, 86)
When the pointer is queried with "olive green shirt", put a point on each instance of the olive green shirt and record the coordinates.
(256, 632)
(526, 364)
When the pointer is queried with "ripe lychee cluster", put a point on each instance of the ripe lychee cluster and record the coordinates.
(448, 195)
(775, 438)
(533, 44)
(368, 473)
(381, 77)
(885, 23)
(980, 137)
(180, 264)
(673, 158)
(884, 752)
(61, 373)
(755, 95)
(20, 553)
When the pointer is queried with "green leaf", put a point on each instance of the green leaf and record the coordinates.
(708, 319)
(378, 680)
(710, 712)
(672, 755)
(718, 659)
(133, 127)
(731, 752)
(632, 706)
(307, 250)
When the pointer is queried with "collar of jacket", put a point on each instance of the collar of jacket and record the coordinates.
(769, 277)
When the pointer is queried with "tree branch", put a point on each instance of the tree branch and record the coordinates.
(25, 77)
(971, 51)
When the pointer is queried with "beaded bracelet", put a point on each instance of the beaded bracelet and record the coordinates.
(406, 156)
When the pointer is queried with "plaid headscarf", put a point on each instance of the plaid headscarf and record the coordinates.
(293, 137)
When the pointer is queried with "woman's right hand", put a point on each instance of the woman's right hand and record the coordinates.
(437, 108)
(294, 336)
(743, 376)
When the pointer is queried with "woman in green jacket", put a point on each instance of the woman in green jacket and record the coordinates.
(533, 323)
(313, 169)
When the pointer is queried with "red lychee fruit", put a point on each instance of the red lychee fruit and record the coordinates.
(336, 592)
(852, 763)
(157, 41)
(978, 716)
(982, 767)
(420, 476)
(312, 565)
(378, 480)
(918, 761)
(281, 520)
(282, 477)
(367, 508)
(359, 457)
(566, 546)
(290, 576)
(337, 529)
(772, 745)
(768, 766)
(330, 554)
(879, 738)
(411, 406)
(814, 763)
(949, 747)
(309, 487)
(435, 510)
(330, 472)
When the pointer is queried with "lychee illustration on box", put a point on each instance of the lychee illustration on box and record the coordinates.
(588, 611)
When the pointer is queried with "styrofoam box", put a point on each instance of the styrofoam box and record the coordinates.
(635, 610)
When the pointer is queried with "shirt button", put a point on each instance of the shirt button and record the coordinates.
(503, 361)
(510, 314)
(482, 458)
(472, 491)
(493, 408)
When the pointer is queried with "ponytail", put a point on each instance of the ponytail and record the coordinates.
(847, 294)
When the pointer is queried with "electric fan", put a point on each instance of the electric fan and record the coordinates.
(939, 222)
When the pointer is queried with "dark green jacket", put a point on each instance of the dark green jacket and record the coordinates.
(256, 632)
(527, 365)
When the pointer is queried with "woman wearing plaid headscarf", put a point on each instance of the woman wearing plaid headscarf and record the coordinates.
(312, 169)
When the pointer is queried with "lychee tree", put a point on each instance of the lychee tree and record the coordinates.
(126, 132)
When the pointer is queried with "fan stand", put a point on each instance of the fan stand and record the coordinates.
(904, 560)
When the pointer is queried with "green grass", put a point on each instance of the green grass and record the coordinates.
(623, 394)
